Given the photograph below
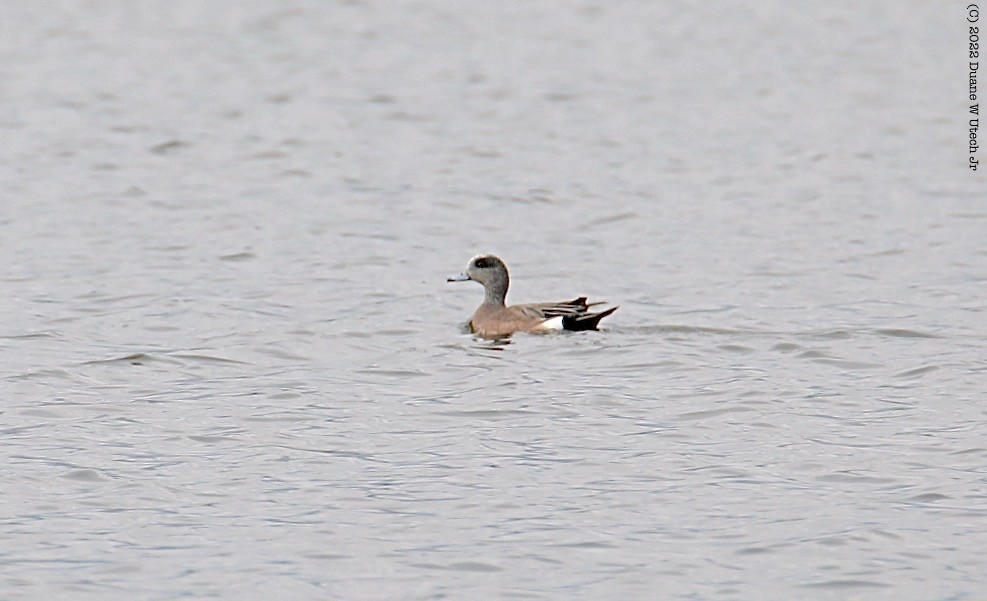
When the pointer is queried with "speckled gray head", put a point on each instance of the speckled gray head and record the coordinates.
(490, 271)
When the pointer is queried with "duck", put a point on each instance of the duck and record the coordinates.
(494, 318)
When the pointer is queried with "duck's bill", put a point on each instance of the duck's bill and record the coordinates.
(461, 277)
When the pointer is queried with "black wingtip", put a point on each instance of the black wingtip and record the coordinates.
(587, 321)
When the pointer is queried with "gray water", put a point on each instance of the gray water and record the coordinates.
(232, 367)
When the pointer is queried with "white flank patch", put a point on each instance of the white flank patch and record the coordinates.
(554, 323)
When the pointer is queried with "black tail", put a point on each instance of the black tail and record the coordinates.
(586, 321)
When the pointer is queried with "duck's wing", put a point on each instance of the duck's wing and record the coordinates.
(569, 308)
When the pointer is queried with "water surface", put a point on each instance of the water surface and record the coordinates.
(232, 367)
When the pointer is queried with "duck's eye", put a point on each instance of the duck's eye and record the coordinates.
(482, 263)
